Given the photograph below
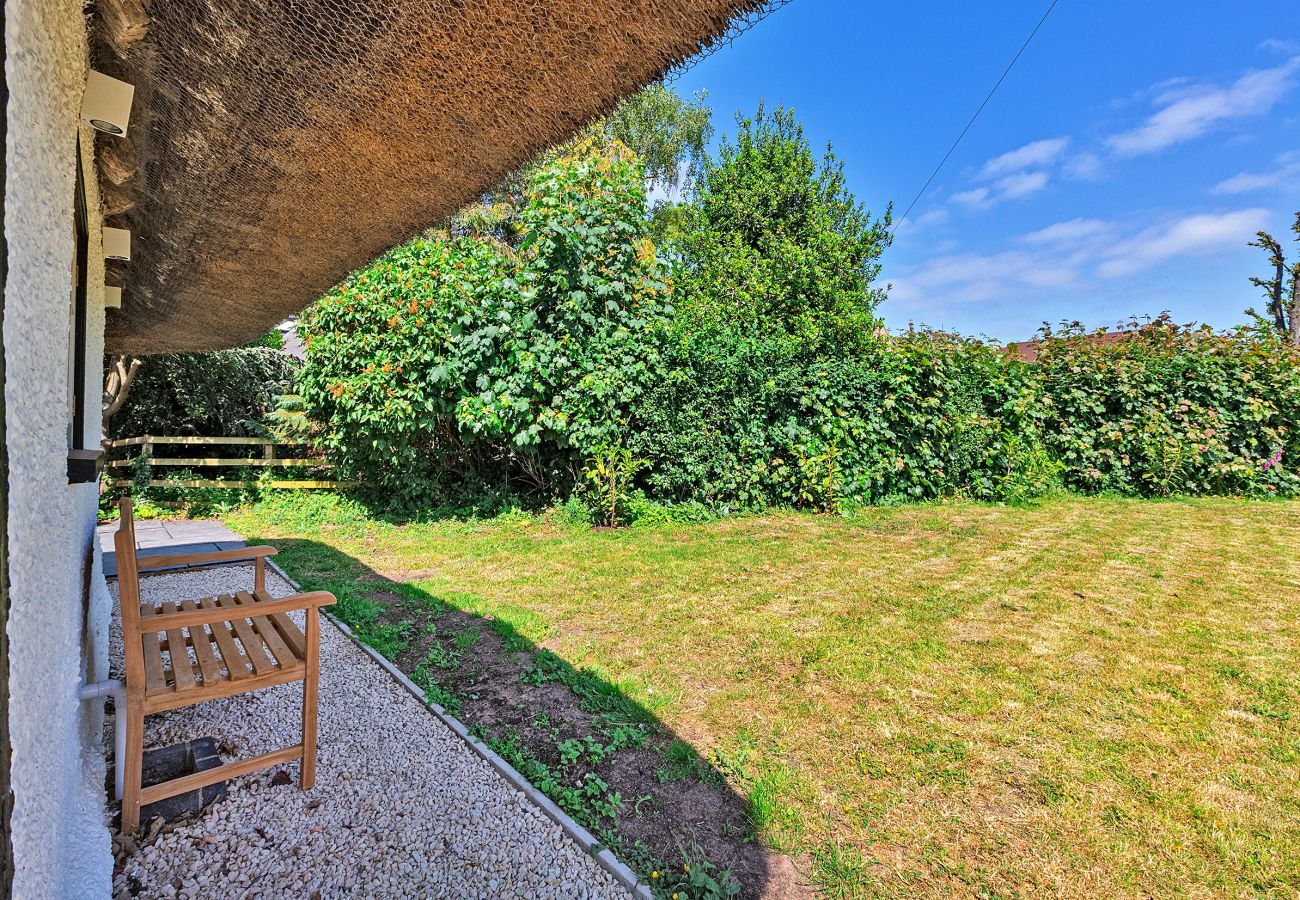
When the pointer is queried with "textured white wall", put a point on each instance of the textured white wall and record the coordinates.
(58, 618)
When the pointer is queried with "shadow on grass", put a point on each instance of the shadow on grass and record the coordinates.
(601, 756)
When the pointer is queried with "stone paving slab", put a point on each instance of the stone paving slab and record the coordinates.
(160, 537)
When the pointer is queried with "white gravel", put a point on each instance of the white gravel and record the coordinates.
(405, 808)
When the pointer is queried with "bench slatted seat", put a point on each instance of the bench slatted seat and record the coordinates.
(179, 653)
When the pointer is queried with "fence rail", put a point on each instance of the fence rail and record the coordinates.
(272, 455)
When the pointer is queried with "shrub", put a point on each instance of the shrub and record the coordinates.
(1167, 410)
(609, 474)
(1172, 410)
(752, 423)
(460, 365)
(226, 393)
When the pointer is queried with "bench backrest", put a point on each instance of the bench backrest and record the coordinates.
(128, 591)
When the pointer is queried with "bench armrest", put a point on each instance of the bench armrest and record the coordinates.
(216, 557)
(196, 617)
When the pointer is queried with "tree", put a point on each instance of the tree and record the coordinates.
(216, 394)
(117, 385)
(458, 365)
(1282, 290)
(777, 244)
(668, 135)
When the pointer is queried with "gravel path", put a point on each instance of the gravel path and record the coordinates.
(405, 808)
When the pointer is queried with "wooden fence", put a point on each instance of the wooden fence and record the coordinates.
(215, 453)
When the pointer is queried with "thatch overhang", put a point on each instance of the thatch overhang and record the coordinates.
(277, 144)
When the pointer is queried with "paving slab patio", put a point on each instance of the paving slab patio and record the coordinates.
(157, 537)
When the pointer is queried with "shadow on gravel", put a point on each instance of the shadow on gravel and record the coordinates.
(603, 758)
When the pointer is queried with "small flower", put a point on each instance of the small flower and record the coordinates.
(654, 874)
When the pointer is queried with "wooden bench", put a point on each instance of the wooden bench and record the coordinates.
(182, 652)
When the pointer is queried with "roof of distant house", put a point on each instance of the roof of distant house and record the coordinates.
(1029, 350)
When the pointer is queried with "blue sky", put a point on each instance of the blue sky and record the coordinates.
(1119, 171)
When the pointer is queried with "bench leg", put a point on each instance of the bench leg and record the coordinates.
(133, 767)
(307, 773)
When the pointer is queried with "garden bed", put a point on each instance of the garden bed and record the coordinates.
(604, 759)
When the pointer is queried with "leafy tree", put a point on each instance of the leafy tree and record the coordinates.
(273, 340)
(776, 244)
(588, 295)
(459, 364)
(668, 134)
(1282, 290)
(671, 137)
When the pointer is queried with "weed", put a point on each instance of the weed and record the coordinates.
(696, 878)
(681, 761)
(465, 639)
(425, 679)
(840, 871)
(589, 801)
(443, 658)
(362, 616)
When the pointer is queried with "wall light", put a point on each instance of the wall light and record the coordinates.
(117, 244)
(112, 297)
(106, 105)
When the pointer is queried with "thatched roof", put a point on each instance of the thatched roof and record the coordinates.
(277, 144)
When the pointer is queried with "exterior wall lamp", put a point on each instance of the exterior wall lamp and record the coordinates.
(117, 244)
(106, 104)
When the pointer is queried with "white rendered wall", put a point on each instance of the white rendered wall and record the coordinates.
(59, 610)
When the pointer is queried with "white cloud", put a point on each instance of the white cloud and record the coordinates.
(1187, 112)
(1083, 166)
(973, 278)
(1286, 172)
(976, 197)
(1010, 187)
(1065, 259)
(1031, 155)
(1022, 184)
(1190, 236)
(1069, 232)
(1276, 46)
(933, 218)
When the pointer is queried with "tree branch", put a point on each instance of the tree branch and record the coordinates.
(1272, 286)
(118, 384)
(1293, 305)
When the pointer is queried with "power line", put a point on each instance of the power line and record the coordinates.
(1005, 72)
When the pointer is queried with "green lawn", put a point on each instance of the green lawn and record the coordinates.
(1087, 698)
